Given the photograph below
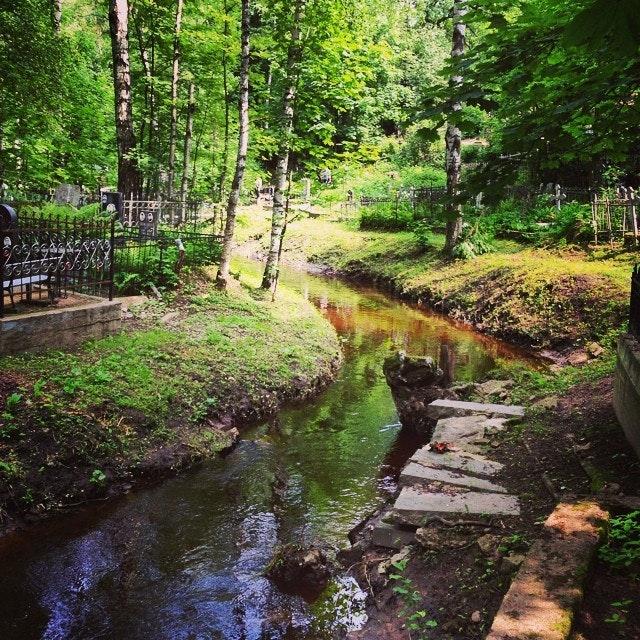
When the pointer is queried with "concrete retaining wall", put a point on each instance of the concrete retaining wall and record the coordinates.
(626, 394)
(59, 328)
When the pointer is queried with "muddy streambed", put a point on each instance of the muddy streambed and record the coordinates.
(184, 560)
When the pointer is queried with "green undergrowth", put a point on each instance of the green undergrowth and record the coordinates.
(172, 382)
(536, 297)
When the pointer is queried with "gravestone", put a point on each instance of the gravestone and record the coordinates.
(67, 194)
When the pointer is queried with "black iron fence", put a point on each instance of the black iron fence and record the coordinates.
(45, 258)
(634, 312)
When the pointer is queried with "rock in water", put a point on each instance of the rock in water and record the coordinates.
(304, 571)
(414, 382)
(410, 372)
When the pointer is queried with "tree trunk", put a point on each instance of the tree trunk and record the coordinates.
(188, 137)
(243, 147)
(128, 171)
(148, 67)
(175, 79)
(56, 15)
(227, 110)
(453, 135)
(294, 56)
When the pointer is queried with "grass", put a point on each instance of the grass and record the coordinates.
(172, 382)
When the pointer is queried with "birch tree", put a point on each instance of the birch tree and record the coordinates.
(294, 58)
(453, 135)
(188, 137)
(243, 147)
(128, 171)
(175, 80)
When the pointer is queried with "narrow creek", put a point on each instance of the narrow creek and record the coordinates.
(184, 560)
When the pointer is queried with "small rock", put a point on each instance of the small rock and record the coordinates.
(493, 387)
(611, 488)
(488, 544)
(435, 539)
(476, 617)
(578, 358)
(594, 349)
(511, 562)
(547, 404)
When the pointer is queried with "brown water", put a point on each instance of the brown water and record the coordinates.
(184, 560)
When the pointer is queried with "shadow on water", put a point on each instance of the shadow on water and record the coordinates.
(185, 560)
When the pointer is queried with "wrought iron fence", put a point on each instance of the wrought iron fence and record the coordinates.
(634, 311)
(182, 214)
(45, 258)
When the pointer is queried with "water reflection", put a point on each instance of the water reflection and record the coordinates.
(185, 559)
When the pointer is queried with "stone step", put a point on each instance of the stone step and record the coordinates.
(391, 537)
(462, 432)
(413, 504)
(447, 408)
(417, 473)
(543, 597)
(457, 461)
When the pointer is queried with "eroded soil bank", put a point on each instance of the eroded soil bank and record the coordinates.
(170, 390)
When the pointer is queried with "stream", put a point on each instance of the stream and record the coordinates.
(184, 560)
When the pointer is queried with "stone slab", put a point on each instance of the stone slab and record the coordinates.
(447, 408)
(414, 503)
(417, 473)
(547, 589)
(388, 536)
(457, 461)
(460, 431)
(626, 389)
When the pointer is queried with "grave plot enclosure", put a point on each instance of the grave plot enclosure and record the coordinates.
(44, 258)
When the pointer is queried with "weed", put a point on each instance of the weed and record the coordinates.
(98, 478)
(623, 544)
(416, 619)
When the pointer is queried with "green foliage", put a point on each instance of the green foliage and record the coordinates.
(623, 543)
(472, 242)
(98, 478)
(417, 620)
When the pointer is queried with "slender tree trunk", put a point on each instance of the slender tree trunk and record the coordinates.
(175, 79)
(243, 147)
(56, 15)
(188, 137)
(294, 56)
(453, 135)
(128, 171)
(148, 65)
(227, 109)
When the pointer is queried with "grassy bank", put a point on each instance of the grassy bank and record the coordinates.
(167, 391)
(536, 297)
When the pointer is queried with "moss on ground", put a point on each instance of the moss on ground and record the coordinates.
(541, 297)
(161, 394)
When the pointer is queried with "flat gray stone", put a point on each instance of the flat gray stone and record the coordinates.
(414, 503)
(415, 472)
(461, 431)
(390, 537)
(457, 461)
(447, 408)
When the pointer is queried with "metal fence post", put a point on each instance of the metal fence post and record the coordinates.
(112, 256)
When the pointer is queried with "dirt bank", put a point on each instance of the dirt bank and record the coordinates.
(170, 390)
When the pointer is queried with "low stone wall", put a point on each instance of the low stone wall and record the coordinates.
(59, 328)
(626, 395)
